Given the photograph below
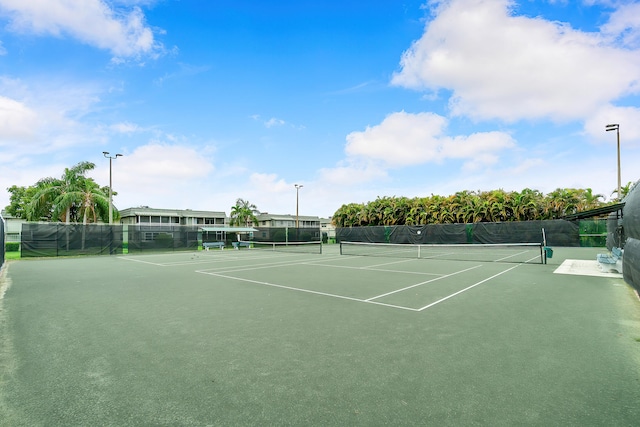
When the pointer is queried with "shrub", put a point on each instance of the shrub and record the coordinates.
(12, 246)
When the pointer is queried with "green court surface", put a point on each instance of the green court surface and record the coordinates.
(250, 337)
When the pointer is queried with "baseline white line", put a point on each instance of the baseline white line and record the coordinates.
(467, 288)
(228, 269)
(141, 262)
(388, 263)
(420, 273)
(307, 291)
(422, 283)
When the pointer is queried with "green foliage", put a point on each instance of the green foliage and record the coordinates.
(12, 246)
(71, 198)
(20, 199)
(244, 213)
(468, 207)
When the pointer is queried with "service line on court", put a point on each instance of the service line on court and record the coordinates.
(140, 261)
(288, 263)
(467, 288)
(383, 270)
(309, 291)
(422, 283)
(368, 300)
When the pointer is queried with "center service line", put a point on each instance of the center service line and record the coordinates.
(466, 289)
(422, 283)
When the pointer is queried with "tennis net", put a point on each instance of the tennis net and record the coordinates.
(294, 247)
(501, 252)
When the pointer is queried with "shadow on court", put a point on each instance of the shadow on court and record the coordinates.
(254, 337)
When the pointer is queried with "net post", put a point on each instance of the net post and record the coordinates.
(543, 248)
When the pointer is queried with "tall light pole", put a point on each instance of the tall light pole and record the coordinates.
(106, 154)
(298, 187)
(616, 127)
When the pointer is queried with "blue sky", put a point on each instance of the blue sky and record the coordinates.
(210, 101)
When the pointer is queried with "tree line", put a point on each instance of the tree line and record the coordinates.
(469, 207)
(73, 197)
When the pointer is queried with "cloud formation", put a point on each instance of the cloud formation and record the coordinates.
(501, 66)
(404, 139)
(93, 22)
(17, 121)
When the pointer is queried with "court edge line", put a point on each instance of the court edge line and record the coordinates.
(141, 262)
(467, 288)
(261, 266)
(308, 291)
(418, 273)
(422, 283)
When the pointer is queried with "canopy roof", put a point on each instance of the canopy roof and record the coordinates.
(230, 229)
(595, 212)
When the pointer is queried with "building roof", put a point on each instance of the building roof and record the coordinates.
(230, 229)
(144, 210)
(267, 217)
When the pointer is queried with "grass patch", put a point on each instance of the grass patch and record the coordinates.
(12, 255)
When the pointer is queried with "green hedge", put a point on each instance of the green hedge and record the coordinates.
(12, 246)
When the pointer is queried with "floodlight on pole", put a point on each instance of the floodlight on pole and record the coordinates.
(298, 187)
(106, 154)
(616, 127)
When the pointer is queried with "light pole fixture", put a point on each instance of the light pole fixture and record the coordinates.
(106, 154)
(616, 127)
(298, 187)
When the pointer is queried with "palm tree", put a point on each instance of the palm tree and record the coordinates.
(244, 213)
(624, 190)
(94, 202)
(61, 193)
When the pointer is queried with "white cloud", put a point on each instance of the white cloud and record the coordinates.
(17, 121)
(627, 117)
(349, 173)
(624, 24)
(125, 127)
(93, 22)
(268, 182)
(404, 139)
(513, 67)
(44, 118)
(161, 164)
(274, 122)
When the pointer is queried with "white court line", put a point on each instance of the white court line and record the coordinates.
(308, 291)
(208, 259)
(521, 253)
(384, 270)
(140, 261)
(422, 283)
(389, 263)
(368, 301)
(467, 288)
(289, 263)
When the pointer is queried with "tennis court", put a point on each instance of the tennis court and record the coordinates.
(261, 337)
